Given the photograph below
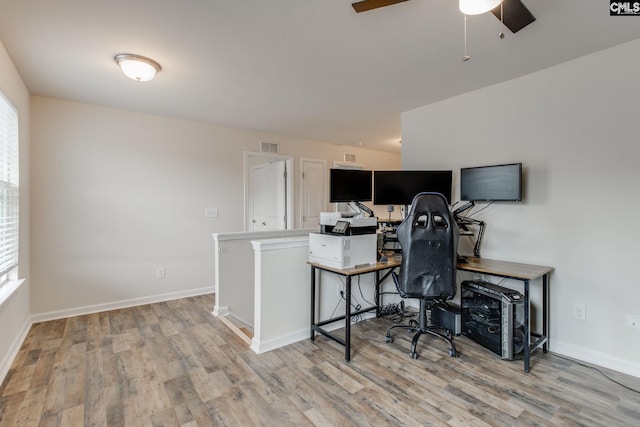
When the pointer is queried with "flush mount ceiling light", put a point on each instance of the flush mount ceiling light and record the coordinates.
(477, 7)
(137, 67)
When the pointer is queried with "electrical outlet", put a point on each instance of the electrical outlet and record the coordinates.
(633, 323)
(579, 311)
(211, 212)
(160, 273)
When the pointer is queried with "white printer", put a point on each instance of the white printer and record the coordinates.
(345, 240)
(358, 224)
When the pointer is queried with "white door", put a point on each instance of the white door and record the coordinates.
(258, 220)
(313, 198)
(269, 196)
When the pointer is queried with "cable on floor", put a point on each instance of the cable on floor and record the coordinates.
(598, 371)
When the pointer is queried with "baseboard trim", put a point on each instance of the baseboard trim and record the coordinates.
(97, 308)
(263, 346)
(229, 324)
(596, 358)
(220, 311)
(13, 352)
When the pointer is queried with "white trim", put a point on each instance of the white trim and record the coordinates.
(302, 188)
(8, 288)
(236, 330)
(254, 235)
(13, 352)
(97, 308)
(220, 311)
(264, 346)
(596, 358)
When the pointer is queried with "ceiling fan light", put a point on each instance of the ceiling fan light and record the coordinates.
(477, 7)
(137, 67)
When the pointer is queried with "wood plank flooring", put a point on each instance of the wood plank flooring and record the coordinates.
(175, 364)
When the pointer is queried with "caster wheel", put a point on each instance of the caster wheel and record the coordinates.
(388, 339)
(413, 355)
(453, 353)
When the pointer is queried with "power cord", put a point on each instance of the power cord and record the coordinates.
(470, 214)
(361, 294)
(337, 305)
(598, 371)
(355, 318)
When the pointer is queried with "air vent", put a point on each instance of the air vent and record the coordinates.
(269, 147)
(349, 157)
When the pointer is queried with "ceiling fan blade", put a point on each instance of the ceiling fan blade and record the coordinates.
(364, 5)
(516, 15)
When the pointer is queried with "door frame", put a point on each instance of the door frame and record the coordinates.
(253, 158)
(325, 185)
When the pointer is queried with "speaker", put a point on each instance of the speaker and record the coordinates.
(493, 316)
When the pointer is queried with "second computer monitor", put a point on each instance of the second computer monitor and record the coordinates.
(399, 187)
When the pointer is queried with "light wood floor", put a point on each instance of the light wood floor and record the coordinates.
(174, 364)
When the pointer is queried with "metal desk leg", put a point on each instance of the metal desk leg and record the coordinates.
(347, 321)
(377, 294)
(527, 329)
(313, 301)
(545, 312)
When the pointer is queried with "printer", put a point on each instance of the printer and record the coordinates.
(358, 224)
(345, 240)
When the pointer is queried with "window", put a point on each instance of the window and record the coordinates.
(9, 191)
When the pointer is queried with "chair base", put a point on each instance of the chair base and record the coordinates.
(421, 329)
(453, 352)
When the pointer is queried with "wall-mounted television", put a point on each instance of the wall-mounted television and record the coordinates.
(350, 185)
(491, 183)
(400, 187)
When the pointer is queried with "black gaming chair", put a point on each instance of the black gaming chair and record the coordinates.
(429, 238)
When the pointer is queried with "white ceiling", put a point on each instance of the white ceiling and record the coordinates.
(311, 69)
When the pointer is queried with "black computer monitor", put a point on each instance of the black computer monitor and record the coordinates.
(491, 183)
(350, 185)
(399, 187)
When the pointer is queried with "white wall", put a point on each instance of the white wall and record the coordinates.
(117, 194)
(14, 309)
(574, 127)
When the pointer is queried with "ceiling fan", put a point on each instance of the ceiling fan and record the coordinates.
(516, 14)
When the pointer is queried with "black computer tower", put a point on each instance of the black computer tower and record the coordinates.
(493, 316)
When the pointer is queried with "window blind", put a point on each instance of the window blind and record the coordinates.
(9, 190)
